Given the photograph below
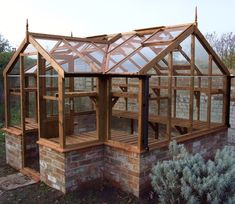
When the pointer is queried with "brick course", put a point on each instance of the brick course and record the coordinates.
(14, 150)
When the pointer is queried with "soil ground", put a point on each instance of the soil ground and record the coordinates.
(41, 193)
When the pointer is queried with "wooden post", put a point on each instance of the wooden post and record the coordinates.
(71, 100)
(36, 100)
(61, 112)
(199, 99)
(26, 97)
(22, 107)
(6, 100)
(209, 91)
(158, 96)
(41, 63)
(143, 113)
(226, 100)
(175, 93)
(109, 108)
(101, 108)
(170, 74)
(191, 99)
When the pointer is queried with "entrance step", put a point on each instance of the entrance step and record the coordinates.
(31, 173)
(14, 181)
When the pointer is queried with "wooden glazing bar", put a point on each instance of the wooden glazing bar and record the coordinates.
(209, 92)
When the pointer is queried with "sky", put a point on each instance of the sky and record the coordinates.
(87, 17)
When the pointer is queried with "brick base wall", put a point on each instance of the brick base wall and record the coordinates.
(68, 171)
(122, 169)
(14, 151)
(127, 170)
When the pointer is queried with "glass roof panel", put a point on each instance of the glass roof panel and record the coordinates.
(48, 45)
(118, 42)
(138, 60)
(124, 50)
(166, 34)
(129, 53)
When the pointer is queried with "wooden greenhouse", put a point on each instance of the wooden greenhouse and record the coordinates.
(129, 92)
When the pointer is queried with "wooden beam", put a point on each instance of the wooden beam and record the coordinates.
(156, 43)
(143, 111)
(36, 100)
(6, 100)
(60, 37)
(61, 112)
(175, 97)
(114, 38)
(228, 98)
(51, 98)
(170, 74)
(124, 95)
(182, 67)
(80, 94)
(109, 108)
(192, 68)
(101, 109)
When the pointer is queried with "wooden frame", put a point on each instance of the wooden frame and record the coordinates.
(105, 67)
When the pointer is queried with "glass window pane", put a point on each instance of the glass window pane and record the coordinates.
(201, 57)
(215, 68)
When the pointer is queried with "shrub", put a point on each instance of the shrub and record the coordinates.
(189, 178)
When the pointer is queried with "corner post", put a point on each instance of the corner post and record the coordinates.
(103, 108)
(228, 99)
(22, 106)
(143, 112)
(61, 112)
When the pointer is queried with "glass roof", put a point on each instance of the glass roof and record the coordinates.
(127, 53)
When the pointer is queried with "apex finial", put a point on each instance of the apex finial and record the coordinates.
(71, 34)
(27, 25)
(196, 16)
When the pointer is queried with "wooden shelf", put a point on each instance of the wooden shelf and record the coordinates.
(163, 120)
